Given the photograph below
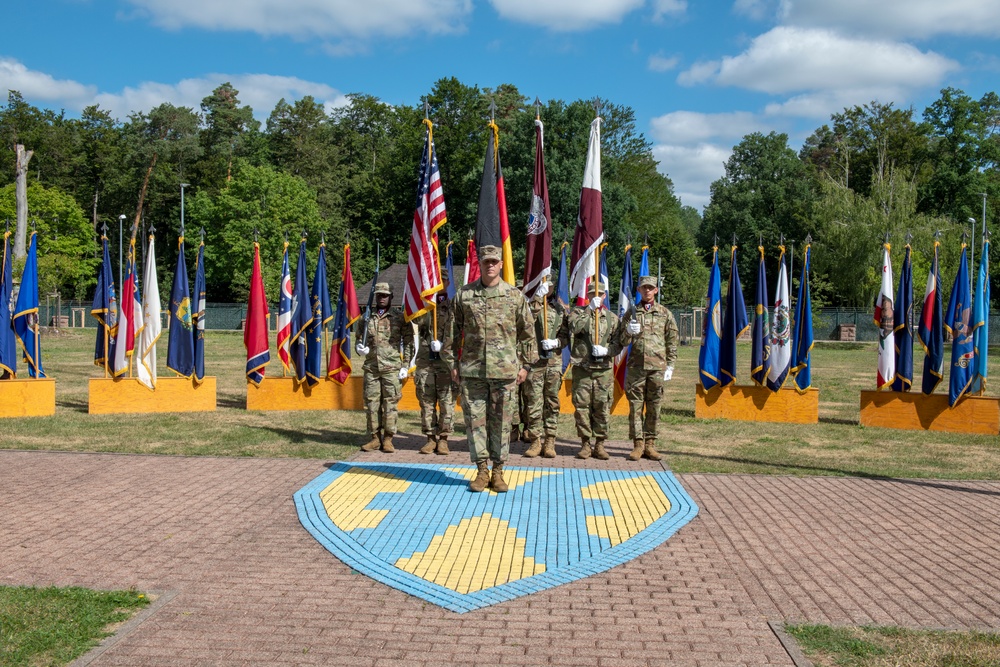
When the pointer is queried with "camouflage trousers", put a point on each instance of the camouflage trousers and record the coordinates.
(382, 393)
(437, 402)
(541, 398)
(644, 391)
(488, 407)
(593, 392)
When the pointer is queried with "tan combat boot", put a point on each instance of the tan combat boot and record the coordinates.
(650, 452)
(371, 445)
(599, 452)
(584, 452)
(534, 450)
(549, 447)
(430, 446)
(387, 444)
(638, 447)
(442, 445)
(482, 477)
(527, 435)
(496, 479)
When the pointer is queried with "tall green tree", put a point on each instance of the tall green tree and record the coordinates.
(230, 132)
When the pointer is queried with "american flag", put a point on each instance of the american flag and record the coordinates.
(423, 271)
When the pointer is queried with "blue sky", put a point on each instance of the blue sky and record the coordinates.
(699, 75)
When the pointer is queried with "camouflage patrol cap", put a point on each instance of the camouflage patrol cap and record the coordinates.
(383, 288)
(490, 252)
(596, 288)
(647, 281)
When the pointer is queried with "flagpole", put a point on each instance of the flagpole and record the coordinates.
(597, 256)
(437, 248)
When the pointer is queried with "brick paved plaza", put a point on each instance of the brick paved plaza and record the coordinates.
(248, 585)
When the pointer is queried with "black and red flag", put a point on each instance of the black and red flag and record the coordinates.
(492, 227)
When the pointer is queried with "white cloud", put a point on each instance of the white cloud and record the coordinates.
(689, 128)
(663, 8)
(34, 85)
(311, 18)
(755, 9)
(660, 63)
(819, 105)
(896, 18)
(787, 59)
(692, 169)
(566, 14)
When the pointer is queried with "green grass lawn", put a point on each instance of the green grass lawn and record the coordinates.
(53, 626)
(835, 446)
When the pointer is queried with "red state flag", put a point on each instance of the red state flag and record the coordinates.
(589, 232)
(255, 328)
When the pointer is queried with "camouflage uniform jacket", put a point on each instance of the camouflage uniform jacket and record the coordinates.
(425, 331)
(388, 334)
(655, 347)
(493, 329)
(581, 328)
(558, 329)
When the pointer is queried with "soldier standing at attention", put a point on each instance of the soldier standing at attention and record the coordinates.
(432, 378)
(541, 389)
(593, 374)
(384, 369)
(497, 351)
(652, 333)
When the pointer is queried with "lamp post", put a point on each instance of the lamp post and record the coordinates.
(121, 221)
(972, 254)
(183, 185)
(983, 195)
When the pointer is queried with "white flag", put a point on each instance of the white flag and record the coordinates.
(146, 350)
(885, 322)
(781, 331)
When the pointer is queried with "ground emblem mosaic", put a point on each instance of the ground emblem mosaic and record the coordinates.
(417, 528)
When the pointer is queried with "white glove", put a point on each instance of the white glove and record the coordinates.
(550, 343)
(542, 290)
(435, 346)
(667, 374)
(361, 349)
(595, 303)
(598, 350)
(403, 373)
(633, 328)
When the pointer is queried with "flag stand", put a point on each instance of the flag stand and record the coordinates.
(27, 397)
(127, 395)
(915, 411)
(757, 404)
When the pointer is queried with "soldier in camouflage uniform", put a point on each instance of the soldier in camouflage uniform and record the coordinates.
(497, 350)
(432, 378)
(652, 333)
(388, 335)
(541, 389)
(593, 371)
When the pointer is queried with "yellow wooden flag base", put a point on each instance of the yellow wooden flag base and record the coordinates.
(128, 395)
(915, 411)
(757, 404)
(27, 397)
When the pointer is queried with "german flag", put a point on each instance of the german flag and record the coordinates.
(491, 215)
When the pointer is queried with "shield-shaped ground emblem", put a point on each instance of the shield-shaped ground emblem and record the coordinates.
(418, 528)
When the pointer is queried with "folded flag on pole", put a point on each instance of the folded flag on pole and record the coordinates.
(322, 313)
(348, 312)
(781, 330)
(562, 291)
(643, 270)
(25, 317)
(604, 274)
(130, 319)
(589, 232)
(301, 317)
(903, 334)
(492, 227)
(423, 267)
(803, 338)
(150, 334)
(885, 322)
(471, 263)
(760, 353)
(8, 342)
(255, 328)
(958, 323)
(981, 322)
(711, 328)
(449, 269)
(105, 310)
(538, 244)
(180, 337)
(285, 313)
(198, 316)
(625, 304)
(931, 329)
(734, 324)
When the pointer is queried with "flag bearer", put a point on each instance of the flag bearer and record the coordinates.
(541, 389)
(432, 379)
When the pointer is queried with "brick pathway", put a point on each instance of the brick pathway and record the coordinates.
(252, 587)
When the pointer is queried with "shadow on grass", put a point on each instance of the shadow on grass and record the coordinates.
(230, 401)
(838, 420)
(947, 486)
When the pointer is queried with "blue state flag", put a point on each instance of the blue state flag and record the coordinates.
(604, 275)
(180, 342)
(802, 344)
(105, 310)
(25, 317)
(625, 303)
(449, 268)
(958, 319)
(322, 313)
(904, 327)
(734, 324)
(760, 354)
(981, 323)
(8, 342)
(301, 317)
(198, 317)
(931, 329)
(643, 270)
(711, 329)
(562, 291)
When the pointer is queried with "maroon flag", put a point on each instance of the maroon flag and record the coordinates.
(538, 257)
(589, 225)
(471, 263)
